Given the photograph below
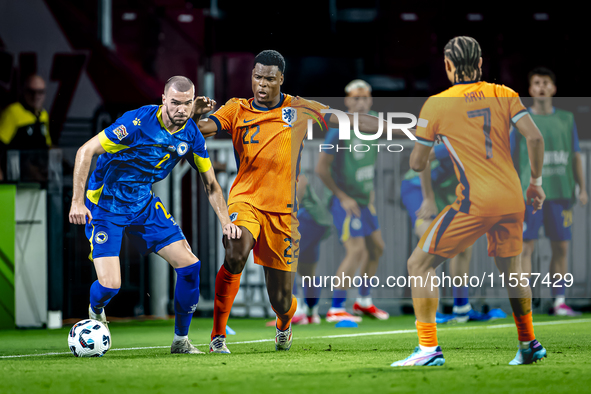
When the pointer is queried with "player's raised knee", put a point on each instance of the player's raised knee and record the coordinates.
(112, 282)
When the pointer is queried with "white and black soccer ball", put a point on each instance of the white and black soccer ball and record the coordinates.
(89, 338)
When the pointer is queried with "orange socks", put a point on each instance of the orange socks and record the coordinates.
(284, 320)
(525, 327)
(226, 288)
(427, 334)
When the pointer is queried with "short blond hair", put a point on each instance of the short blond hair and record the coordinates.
(357, 84)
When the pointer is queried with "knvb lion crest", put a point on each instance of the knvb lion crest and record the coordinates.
(289, 115)
(120, 132)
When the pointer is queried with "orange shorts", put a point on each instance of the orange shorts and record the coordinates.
(276, 235)
(451, 232)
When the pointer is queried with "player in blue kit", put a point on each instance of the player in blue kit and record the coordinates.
(141, 148)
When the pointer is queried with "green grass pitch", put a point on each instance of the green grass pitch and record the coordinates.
(323, 359)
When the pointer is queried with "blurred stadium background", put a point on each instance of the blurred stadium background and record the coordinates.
(100, 58)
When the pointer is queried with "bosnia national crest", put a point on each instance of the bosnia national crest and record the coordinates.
(289, 115)
(182, 148)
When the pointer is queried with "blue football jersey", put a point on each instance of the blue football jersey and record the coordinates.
(139, 152)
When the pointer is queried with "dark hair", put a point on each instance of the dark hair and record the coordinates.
(270, 57)
(543, 71)
(180, 84)
(464, 52)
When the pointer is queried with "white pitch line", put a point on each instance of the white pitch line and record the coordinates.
(361, 334)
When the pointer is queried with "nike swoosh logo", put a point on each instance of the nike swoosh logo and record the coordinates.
(246, 121)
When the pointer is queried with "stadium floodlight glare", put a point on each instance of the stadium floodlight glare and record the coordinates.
(129, 16)
(409, 16)
(541, 16)
(185, 18)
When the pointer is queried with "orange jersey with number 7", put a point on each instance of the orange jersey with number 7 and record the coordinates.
(474, 120)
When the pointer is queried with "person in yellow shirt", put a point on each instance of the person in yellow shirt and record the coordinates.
(24, 125)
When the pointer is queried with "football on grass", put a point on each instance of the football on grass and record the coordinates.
(89, 338)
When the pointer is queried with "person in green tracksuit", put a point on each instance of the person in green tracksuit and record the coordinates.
(315, 223)
(562, 170)
(349, 174)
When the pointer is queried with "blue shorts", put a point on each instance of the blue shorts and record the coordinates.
(311, 235)
(351, 226)
(149, 230)
(412, 198)
(556, 216)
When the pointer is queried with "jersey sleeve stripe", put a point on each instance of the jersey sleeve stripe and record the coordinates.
(109, 145)
(216, 121)
(519, 115)
(424, 141)
(203, 163)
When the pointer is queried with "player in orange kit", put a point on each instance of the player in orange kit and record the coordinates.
(473, 119)
(268, 132)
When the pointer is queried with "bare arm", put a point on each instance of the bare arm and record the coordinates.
(579, 178)
(78, 211)
(535, 150)
(428, 207)
(218, 203)
(419, 158)
(201, 106)
(207, 127)
(323, 170)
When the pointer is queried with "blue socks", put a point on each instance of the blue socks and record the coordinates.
(558, 289)
(364, 290)
(338, 298)
(100, 296)
(186, 297)
(460, 295)
(311, 294)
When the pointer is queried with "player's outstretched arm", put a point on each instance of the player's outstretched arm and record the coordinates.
(535, 150)
(203, 105)
(78, 211)
(323, 170)
(218, 203)
(207, 127)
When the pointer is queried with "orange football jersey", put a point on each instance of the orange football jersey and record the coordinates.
(474, 120)
(268, 144)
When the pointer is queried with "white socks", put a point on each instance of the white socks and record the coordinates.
(524, 345)
(462, 310)
(314, 310)
(428, 349)
(365, 302)
(179, 339)
(559, 301)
